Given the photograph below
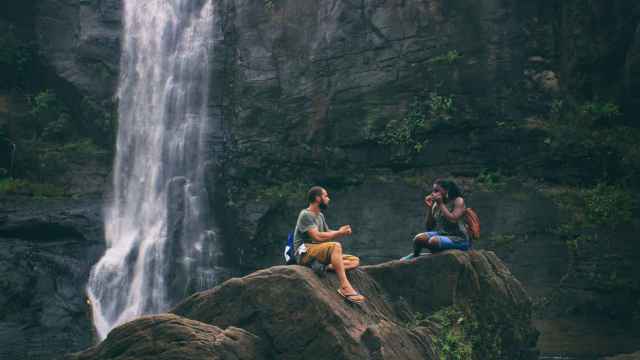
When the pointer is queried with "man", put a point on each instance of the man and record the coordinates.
(314, 241)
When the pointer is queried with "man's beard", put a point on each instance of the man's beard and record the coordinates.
(323, 206)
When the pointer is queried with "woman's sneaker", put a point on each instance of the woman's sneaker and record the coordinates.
(408, 257)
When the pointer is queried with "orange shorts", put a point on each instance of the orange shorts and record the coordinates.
(322, 253)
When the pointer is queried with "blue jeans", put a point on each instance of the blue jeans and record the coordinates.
(448, 243)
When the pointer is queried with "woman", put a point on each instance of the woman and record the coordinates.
(445, 220)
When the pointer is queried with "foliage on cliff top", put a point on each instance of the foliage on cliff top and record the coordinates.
(592, 140)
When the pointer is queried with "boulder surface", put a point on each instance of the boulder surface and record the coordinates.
(288, 312)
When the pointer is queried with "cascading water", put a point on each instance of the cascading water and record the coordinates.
(156, 228)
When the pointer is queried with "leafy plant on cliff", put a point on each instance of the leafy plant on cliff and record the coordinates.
(491, 180)
(48, 117)
(590, 143)
(454, 341)
(423, 114)
(608, 205)
(100, 119)
(465, 332)
(44, 162)
(269, 4)
(449, 58)
(505, 241)
(600, 111)
(604, 207)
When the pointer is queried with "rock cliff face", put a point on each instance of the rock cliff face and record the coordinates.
(290, 313)
(47, 248)
(80, 40)
(310, 90)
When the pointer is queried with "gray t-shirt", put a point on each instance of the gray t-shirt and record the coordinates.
(306, 220)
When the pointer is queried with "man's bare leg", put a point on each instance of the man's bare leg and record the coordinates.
(349, 263)
(338, 265)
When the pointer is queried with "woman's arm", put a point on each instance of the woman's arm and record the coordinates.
(458, 210)
(428, 217)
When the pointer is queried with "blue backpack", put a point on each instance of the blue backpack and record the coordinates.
(289, 251)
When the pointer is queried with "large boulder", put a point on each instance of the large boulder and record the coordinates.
(287, 312)
(172, 337)
(634, 356)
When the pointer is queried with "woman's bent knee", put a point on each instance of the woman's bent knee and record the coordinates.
(420, 238)
(434, 241)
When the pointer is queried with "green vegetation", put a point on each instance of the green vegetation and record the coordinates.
(602, 206)
(25, 187)
(502, 240)
(490, 180)
(419, 181)
(17, 59)
(447, 59)
(608, 205)
(49, 142)
(463, 336)
(46, 161)
(422, 116)
(99, 121)
(454, 342)
(592, 144)
(600, 111)
(287, 191)
(269, 5)
(48, 118)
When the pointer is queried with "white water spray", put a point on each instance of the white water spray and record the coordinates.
(156, 225)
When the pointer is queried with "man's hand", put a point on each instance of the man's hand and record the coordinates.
(345, 230)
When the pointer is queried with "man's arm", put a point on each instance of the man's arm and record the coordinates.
(458, 210)
(321, 236)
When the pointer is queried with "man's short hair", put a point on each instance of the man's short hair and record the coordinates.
(313, 193)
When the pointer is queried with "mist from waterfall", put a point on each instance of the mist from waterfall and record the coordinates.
(156, 227)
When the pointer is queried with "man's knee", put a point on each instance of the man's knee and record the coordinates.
(335, 246)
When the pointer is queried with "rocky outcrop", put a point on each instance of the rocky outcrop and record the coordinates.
(634, 356)
(80, 40)
(173, 337)
(47, 248)
(287, 312)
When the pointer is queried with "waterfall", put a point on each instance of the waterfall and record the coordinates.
(156, 229)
